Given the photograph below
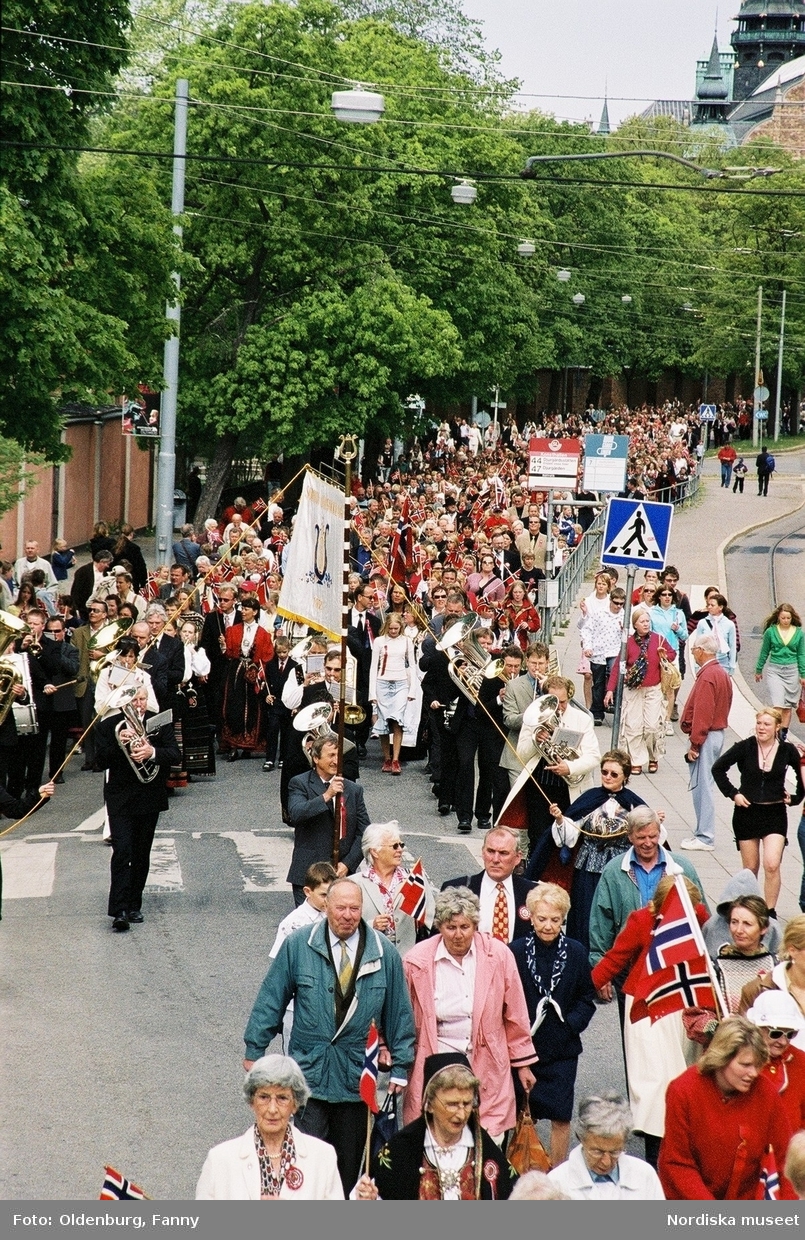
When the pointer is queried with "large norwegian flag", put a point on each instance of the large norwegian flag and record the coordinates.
(673, 938)
(413, 893)
(368, 1085)
(683, 985)
(402, 545)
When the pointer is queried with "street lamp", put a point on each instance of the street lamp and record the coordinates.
(578, 299)
(626, 299)
(358, 106)
(526, 248)
(464, 193)
(563, 276)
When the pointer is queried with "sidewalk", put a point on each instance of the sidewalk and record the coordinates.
(699, 537)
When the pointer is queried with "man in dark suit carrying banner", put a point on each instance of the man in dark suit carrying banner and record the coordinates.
(312, 803)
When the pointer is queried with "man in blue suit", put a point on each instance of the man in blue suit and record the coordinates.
(311, 813)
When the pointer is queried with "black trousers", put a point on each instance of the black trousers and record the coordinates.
(466, 744)
(493, 780)
(600, 673)
(539, 819)
(25, 773)
(86, 713)
(132, 837)
(278, 722)
(763, 484)
(343, 1125)
(57, 725)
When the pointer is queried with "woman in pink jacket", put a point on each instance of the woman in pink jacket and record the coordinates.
(467, 997)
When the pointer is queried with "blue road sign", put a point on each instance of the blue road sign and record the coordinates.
(605, 459)
(762, 415)
(637, 533)
(707, 413)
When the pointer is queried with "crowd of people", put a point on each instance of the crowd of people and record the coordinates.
(480, 993)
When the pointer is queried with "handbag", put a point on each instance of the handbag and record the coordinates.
(525, 1151)
(670, 677)
(801, 706)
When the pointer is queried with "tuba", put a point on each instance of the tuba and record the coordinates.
(468, 663)
(313, 720)
(11, 628)
(147, 771)
(549, 720)
(105, 639)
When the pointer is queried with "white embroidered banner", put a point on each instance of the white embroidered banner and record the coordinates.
(312, 587)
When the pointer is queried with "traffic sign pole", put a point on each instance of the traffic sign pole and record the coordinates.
(627, 617)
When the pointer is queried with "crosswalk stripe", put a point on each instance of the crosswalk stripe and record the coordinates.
(29, 870)
(94, 822)
(265, 859)
(165, 874)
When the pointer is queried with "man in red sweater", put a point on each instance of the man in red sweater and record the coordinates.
(704, 722)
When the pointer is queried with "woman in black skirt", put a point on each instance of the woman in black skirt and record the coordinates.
(560, 996)
(761, 802)
(195, 733)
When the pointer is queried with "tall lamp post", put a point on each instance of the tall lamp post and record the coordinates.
(355, 106)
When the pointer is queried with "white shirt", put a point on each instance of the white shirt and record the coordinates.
(23, 565)
(249, 635)
(489, 892)
(351, 945)
(304, 915)
(453, 999)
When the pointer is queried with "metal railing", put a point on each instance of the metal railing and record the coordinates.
(587, 556)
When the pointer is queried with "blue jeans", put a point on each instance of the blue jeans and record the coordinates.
(702, 787)
(726, 473)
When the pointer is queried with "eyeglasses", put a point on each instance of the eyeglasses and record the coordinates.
(619, 602)
(614, 773)
(780, 1033)
(454, 1106)
(96, 609)
(666, 594)
(399, 844)
(437, 597)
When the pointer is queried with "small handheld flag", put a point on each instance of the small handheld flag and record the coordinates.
(117, 1188)
(368, 1085)
(769, 1179)
(413, 893)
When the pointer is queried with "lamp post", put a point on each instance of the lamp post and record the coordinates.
(355, 106)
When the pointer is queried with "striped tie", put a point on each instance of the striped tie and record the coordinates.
(344, 969)
(500, 916)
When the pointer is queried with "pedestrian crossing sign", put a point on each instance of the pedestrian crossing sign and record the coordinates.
(637, 533)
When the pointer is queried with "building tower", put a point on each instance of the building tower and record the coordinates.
(712, 93)
(769, 34)
(603, 125)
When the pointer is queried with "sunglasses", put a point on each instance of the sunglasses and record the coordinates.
(781, 1033)
(400, 844)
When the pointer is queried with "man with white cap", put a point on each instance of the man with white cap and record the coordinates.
(776, 1013)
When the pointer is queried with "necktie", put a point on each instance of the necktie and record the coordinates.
(500, 916)
(344, 969)
(361, 626)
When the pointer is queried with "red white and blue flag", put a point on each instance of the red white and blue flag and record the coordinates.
(413, 892)
(368, 1085)
(680, 986)
(117, 1188)
(673, 938)
(769, 1178)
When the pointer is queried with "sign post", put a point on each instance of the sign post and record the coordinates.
(636, 535)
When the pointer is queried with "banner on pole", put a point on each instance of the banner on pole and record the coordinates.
(312, 586)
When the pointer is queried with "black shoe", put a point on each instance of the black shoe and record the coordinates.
(59, 779)
(268, 766)
(484, 824)
(135, 917)
(120, 923)
(599, 723)
(361, 751)
(435, 790)
(464, 828)
(233, 756)
(88, 766)
(444, 809)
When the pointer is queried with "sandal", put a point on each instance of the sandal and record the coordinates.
(652, 768)
(637, 770)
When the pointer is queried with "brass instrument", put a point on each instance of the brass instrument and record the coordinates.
(354, 713)
(468, 663)
(146, 771)
(105, 640)
(11, 628)
(549, 720)
(313, 720)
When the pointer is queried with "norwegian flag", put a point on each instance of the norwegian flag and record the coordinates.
(117, 1188)
(476, 513)
(673, 938)
(413, 893)
(401, 555)
(500, 492)
(368, 1085)
(769, 1177)
(680, 986)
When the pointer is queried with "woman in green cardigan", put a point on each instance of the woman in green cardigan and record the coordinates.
(783, 655)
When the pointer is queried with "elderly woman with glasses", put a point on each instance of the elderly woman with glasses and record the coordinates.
(388, 890)
(721, 1116)
(273, 1160)
(598, 1169)
(468, 998)
(669, 620)
(643, 708)
(444, 1154)
(779, 1019)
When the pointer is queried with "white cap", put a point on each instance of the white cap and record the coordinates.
(776, 1009)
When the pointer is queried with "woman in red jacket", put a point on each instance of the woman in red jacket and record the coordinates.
(643, 707)
(721, 1117)
(248, 648)
(655, 1051)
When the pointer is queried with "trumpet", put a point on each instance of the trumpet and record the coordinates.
(105, 641)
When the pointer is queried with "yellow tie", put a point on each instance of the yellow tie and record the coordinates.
(344, 969)
(500, 916)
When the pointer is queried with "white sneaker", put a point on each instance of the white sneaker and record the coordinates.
(697, 845)
(669, 728)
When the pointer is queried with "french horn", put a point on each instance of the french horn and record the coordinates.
(548, 720)
(468, 663)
